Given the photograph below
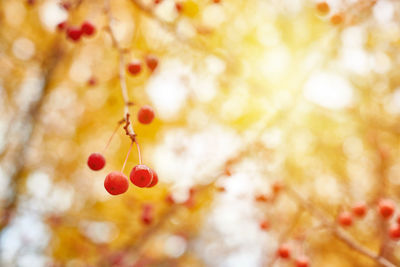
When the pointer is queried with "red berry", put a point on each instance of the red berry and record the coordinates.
(92, 81)
(151, 62)
(147, 214)
(264, 225)
(74, 33)
(217, 1)
(398, 220)
(116, 183)
(147, 218)
(135, 67)
(179, 7)
(345, 218)
(61, 26)
(359, 209)
(155, 179)
(88, 28)
(394, 231)
(284, 251)
(141, 176)
(386, 208)
(96, 161)
(146, 114)
(157, 2)
(302, 261)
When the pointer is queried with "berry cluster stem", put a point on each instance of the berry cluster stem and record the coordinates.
(122, 79)
(127, 156)
(112, 135)
(138, 149)
(121, 74)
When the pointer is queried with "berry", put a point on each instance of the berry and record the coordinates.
(151, 62)
(220, 189)
(227, 172)
(96, 161)
(264, 225)
(92, 81)
(302, 261)
(155, 179)
(394, 231)
(179, 7)
(217, 1)
(88, 28)
(134, 67)
(61, 26)
(277, 187)
(359, 209)
(116, 183)
(398, 220)
(157, 2)
(336, 19)
(74, 33)
(345, 219)
(284, 251)
(261, 198)
(147, 214)
(386, 208)
(141, 176)
(146, 114)
(323, 7)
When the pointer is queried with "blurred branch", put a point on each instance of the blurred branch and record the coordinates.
(122, 76)
(171, 29)
(338, 232)
(136, 251)
(286, 234)
(28, 120)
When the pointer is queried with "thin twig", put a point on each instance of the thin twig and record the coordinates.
(112, 135)
(127, 156)
(122, 78)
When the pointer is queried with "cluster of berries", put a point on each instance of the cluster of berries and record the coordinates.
(386, 209)
(135, 66)
(116, 183)
(74, 33)
(285, 251)
(324, 9)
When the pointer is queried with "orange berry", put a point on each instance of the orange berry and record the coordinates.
(345, 219)
(386, 208)
(394, 231)
(336, 19)
(359, 209)
(264, 225)
(323, 7)
(284, 251)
